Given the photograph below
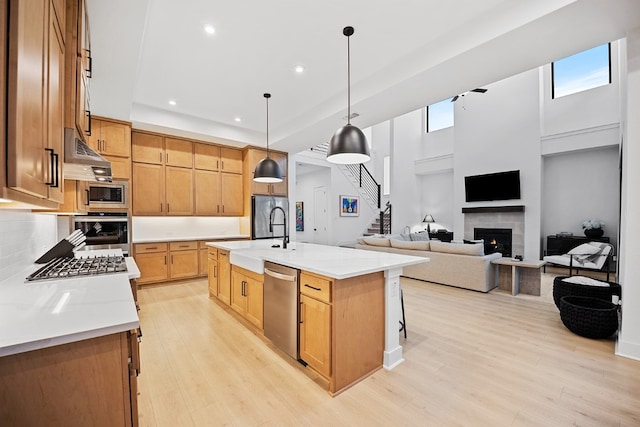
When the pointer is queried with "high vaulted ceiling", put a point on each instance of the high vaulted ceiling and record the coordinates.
(405, 54)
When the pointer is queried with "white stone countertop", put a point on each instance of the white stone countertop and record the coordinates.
(331, 261)
(39, 314)
(191, 238)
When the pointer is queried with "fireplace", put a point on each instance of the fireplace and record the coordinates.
(495, 240)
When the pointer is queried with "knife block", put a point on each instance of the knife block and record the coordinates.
(62, 249)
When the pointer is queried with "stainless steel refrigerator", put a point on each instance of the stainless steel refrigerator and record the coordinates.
(261, 207)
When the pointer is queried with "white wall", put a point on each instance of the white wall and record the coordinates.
(629, 267)
(304, 190)
(579, 186)
(499, 131)
(25, 237)
(437, 198)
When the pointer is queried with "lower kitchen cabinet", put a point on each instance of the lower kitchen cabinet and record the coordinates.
(315, 322)
(88, 382)
(151, 259)
(203, 258)
(183, 257)
(212, 260)
(224, 276)
(246, 295)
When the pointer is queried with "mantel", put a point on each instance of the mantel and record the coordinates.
(493, 209)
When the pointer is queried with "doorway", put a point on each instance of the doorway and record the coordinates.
(320, 216)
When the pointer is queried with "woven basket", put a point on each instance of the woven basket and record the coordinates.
(589, 317)
(564, 289)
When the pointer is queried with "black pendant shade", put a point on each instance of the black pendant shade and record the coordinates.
(348, 145)
(267, 170)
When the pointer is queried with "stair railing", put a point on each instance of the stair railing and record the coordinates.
(385, 220)
(366, 181)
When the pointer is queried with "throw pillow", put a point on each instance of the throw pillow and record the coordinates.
(584, 249)
(405, 236)
(419, 237)
(402, 244)
(476, 249)
(376, 241)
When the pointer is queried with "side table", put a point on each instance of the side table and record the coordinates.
(525, 275)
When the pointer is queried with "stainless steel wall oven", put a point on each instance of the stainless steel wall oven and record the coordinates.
(105, 230)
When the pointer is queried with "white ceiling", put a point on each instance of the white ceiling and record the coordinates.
(404, 54)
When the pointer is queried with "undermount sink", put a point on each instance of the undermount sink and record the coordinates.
(247, 260)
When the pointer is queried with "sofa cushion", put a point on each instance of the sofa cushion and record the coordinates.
(376, 241)
(419, 237)
(476, 249)
(402, 244)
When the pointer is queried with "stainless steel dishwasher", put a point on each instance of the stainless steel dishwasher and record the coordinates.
(281, 307)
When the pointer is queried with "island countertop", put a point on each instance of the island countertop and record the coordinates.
(46, 313)
(330, 261)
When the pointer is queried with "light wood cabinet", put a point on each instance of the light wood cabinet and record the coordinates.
(212, 264)
(73, 200)
(35, 108)
(120, 167)
(183, 260)
(207, 199)
(84, 65)
(224, 276)
(206, 156)
(178, 191)
(151, 259)
(110, 137)
(315, 322)
(178, 152)
(247, 295)
(88, 382)
(202, 258)
(148, 189)
(147, 148)
(231, 160)
(231, 195)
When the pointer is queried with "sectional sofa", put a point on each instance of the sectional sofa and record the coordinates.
(463, 265)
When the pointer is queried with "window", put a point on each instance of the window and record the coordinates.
(582, 71)
(439, 115)
(386, 179)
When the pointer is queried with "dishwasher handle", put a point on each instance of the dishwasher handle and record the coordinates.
(280, 276)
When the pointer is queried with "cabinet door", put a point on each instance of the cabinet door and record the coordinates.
(206, 156)
(115, 139)
(120, 167)
(213, 277)
(230, 160)
(153, 267)
(179, 187)
(147, 148)
(238, 299)
(231, 194)
(202, 262)
(207, 198)
(148, 189)
(254, 302)
(315, 334)
(178, 152)
(183, 264)
(55, 104)
(93, 140)
(224, 277)
(27, 159)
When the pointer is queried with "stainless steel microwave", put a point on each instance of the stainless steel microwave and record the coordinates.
(99, 195)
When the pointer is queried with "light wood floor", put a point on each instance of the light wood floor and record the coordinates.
(472, 359)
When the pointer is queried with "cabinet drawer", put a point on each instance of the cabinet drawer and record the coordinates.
(315, 286)
(145, 248)
(202, 244)
(183, 246)
(212, 253)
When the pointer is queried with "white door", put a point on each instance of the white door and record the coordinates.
(320, 217)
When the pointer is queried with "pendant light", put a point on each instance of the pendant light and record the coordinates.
(348, 145)
(267, 170)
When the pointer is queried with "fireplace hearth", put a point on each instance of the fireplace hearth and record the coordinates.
(495, 240)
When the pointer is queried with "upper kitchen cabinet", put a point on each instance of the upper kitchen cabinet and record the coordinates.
(147, 148)
(178, 152)
(252, 158)
(78, 68)
(34, 110)
(110, 137)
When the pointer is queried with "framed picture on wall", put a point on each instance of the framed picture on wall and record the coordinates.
(299, 216)
(349, 206)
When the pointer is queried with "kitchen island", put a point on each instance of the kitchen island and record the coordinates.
(69, 349)
(357, 309)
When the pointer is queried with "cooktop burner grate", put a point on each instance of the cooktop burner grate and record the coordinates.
(61, 268)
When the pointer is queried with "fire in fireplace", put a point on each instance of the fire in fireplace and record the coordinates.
(495, 240)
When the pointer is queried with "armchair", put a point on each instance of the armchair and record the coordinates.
(588, 256)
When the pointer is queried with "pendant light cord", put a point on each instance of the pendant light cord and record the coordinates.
(348, 81)
(267, 96)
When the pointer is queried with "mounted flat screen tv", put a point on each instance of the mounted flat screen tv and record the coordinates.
(492, 186)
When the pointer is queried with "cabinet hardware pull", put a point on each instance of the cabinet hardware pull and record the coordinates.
(168, 208)
(309, 286)
(301, 312)
(88, 114)
(166, 159)
(160, 157)
(215, 271)
(50, 150)
(222, 208)
(184, 246)
(222, 162)
(90, 70)
(151, 247)
(88, 201)
(217, 164)
(171, 259)
(161, 207)
(57, 171)
(165, 260)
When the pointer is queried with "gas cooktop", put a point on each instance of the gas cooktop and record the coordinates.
(62, 268)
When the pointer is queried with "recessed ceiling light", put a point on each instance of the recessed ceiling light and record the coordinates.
(209, 29)
(299, 69)
(172, 102)
(238, 119)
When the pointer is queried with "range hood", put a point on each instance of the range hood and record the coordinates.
(81, 162)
